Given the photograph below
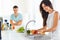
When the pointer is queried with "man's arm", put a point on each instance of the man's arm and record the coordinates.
(11, 22)
(17, 23)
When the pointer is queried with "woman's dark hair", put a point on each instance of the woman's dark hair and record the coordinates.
(43, 12)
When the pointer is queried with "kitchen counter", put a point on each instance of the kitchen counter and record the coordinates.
(13, 35)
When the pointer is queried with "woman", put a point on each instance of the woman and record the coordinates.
(50, 19)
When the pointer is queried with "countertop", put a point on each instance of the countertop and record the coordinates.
(13, 35)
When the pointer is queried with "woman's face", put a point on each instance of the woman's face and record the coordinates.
(46, 8)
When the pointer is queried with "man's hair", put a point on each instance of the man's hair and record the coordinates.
(15, 6)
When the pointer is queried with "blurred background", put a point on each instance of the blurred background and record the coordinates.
(28, 8)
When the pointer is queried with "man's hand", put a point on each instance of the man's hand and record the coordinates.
(19, 22)
(16, 23)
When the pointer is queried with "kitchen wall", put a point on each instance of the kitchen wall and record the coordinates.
(32, 9)
(57, 5)
(28, 8)
(7, 7)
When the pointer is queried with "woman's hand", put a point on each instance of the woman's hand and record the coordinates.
(42, 31)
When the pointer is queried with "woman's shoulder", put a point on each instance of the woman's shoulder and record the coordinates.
(55, 12)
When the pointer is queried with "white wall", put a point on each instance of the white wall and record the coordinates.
(34, 12)
(0, 7)
(7, 7)
(57, 5)
(28, 8)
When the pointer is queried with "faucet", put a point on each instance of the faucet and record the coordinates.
(27, 25)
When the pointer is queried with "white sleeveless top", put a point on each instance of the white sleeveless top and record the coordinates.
(56, 34)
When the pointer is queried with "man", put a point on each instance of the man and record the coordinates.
(16, 18)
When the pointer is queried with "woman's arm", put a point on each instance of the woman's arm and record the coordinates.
(43, 28)
(53, 28)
